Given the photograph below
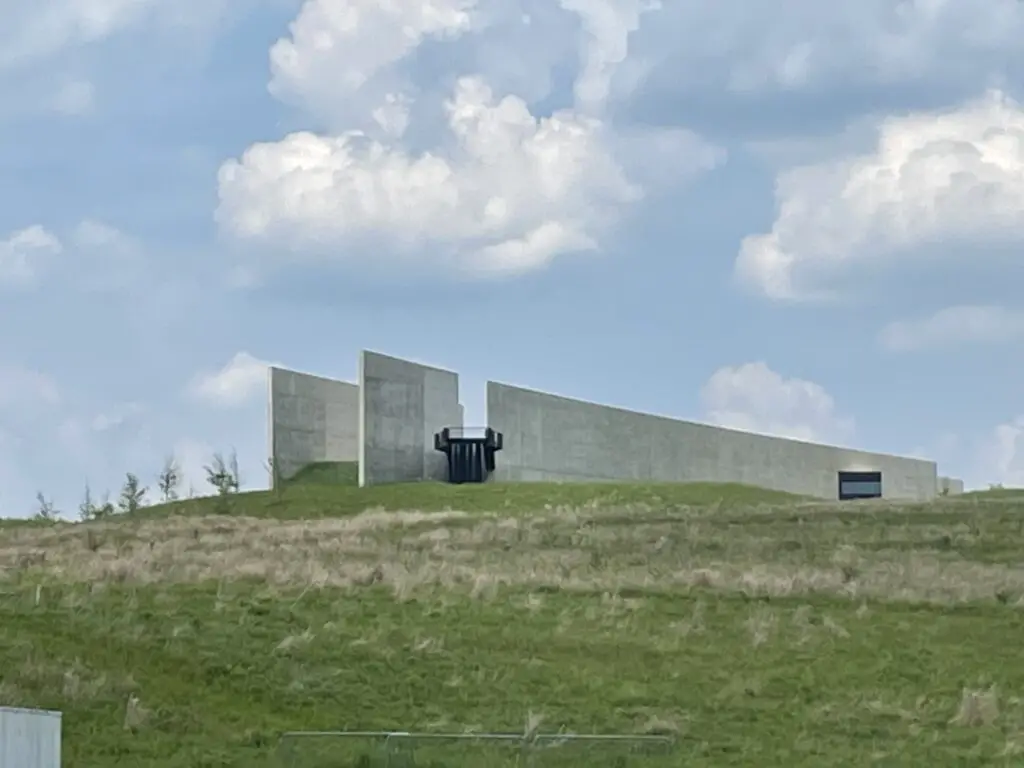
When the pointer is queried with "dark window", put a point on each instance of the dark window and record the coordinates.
(860, 485)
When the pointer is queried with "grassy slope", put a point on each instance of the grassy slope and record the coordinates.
(762, 636)
(313, 500)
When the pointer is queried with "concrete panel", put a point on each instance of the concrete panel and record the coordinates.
(950, 486)
(559, 439)
(312, 420)
(29, 738)
(401, 405)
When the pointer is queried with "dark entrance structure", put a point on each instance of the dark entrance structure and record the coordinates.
(470, 457)
(860, 485)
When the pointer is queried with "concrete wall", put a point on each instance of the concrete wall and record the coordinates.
(29, 738)
(556, 438)
(401, 406)
(950, 486)
(312, 419)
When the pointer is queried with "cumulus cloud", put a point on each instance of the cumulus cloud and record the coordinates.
(754, 398)
(24, 254)
(503, 191)
(517, 192)
(952, 326)
(95, 256)
(955, 176)
(237, 383)
(336, 50)
(608, 25)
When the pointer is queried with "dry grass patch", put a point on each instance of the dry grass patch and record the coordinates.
(977, 708)
(602, 549)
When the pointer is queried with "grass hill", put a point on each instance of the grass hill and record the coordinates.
(756, 628)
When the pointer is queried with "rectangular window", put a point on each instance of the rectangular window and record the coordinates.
(862, 489)
(860, 485)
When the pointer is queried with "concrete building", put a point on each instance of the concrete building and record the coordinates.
(311, 420)
(386, 422)
(29, 738)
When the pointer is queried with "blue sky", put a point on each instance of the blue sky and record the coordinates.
(799, 217)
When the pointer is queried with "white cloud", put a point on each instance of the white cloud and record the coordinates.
(608, 24)
(754, 398)
(335, 49)
(31, 30)
(24, 254)
(517, 192)
(242, 378)
(504, 192)
(964, 324)
(951, 176)
(803, 44)
(35, 28)
(96, 255)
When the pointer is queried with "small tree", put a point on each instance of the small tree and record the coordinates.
(235, 474)
(106, 507)
(223, 475)
(85, 508)
(90, 510)
(132, 495)
(169, 479)
(46, 510)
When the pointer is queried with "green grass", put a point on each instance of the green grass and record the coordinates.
(757, 630)
(328, 473)
(997, 494)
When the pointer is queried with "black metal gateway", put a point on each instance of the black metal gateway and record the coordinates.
(860, 485)
(470, 457)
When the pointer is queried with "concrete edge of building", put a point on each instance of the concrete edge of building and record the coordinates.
(311, 419)
(950, 486)
(30, 738)
(385, 424)
(553, 437)
(402, 404)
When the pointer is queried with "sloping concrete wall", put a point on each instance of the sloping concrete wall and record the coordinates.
(312, 419)
(560, 439)
(401, 405)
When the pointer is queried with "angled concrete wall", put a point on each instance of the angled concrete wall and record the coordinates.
(556, 438)
(401, 405)
(312, 420)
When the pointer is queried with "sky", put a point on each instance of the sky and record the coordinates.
(795, 217)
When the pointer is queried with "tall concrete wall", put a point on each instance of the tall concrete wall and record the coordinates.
(556, 438)
(312, 419)
(401, 406)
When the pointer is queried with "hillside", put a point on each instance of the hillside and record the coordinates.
(757, 629)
